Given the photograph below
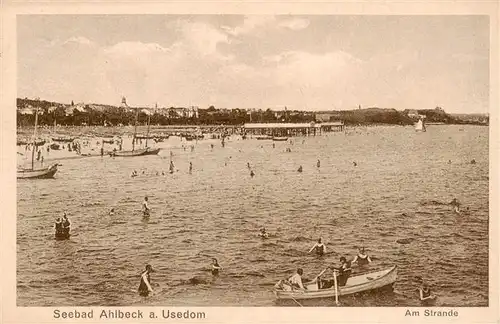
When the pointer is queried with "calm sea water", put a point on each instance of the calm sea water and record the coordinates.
(399, 189)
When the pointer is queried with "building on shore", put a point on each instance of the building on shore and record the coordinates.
(292, 129)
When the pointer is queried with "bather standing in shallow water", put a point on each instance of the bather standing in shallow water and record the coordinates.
(215, 267)
(319, 248)
(362, 258)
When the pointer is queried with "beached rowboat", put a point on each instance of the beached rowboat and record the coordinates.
(41, 173)
(139, 152)
(280, 138)
(356, 284)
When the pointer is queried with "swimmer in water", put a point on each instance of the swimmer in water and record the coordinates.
(300, 169)
(425, 294)
(215, 267)
(456, 205)
(190, 167)
(319, 248)
(112, 212)
(248, 165)
(354, 163)
(252, 174)
(263, 233)
(318, 164)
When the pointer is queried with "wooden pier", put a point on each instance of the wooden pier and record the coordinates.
(292, 129)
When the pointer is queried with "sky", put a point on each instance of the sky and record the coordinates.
(316, 62)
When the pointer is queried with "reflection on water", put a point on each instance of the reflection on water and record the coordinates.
(399, 190)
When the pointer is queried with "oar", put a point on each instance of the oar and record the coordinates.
(321, 273)
(336, 287)
(296, 301)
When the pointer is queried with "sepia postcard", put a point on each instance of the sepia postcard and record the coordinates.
(244, 162)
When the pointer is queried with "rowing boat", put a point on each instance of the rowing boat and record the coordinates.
(41, 173)
(356, 284)
(280, 139)
(263, 137)
(139, 152)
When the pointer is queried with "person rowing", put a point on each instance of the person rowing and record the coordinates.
(215, 267)
(145, 285)
(362, 258)
(319, 248)
(344, 271)
(145, 207)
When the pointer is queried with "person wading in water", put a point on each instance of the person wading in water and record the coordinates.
(66, 225)
(319, 248)
(362, 258)
(145, 285)
(145, 207)
(215, 267)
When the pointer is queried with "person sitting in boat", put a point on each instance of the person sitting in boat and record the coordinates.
(263, 233)
(66, 225)
(344, 271)
(145, 207)
(362, 258)
(296, 279)
(215, 267)
(319, 248)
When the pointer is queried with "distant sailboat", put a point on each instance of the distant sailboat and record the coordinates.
(420, 126)
(39, 173)
(138, 152)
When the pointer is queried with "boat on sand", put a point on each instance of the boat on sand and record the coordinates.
(41, 173)
(355, 284)
(32, 172)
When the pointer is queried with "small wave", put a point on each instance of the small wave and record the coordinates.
(194, 281)
(463, 236)
(259, 260)
(300, 239)
(90, 204)
(294, 252)
(433, 203)
(405, 240)
(255, 274)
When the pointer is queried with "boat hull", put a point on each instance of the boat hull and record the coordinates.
(140, 152)
(45, 173)
(354, 285)
(280, 139)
